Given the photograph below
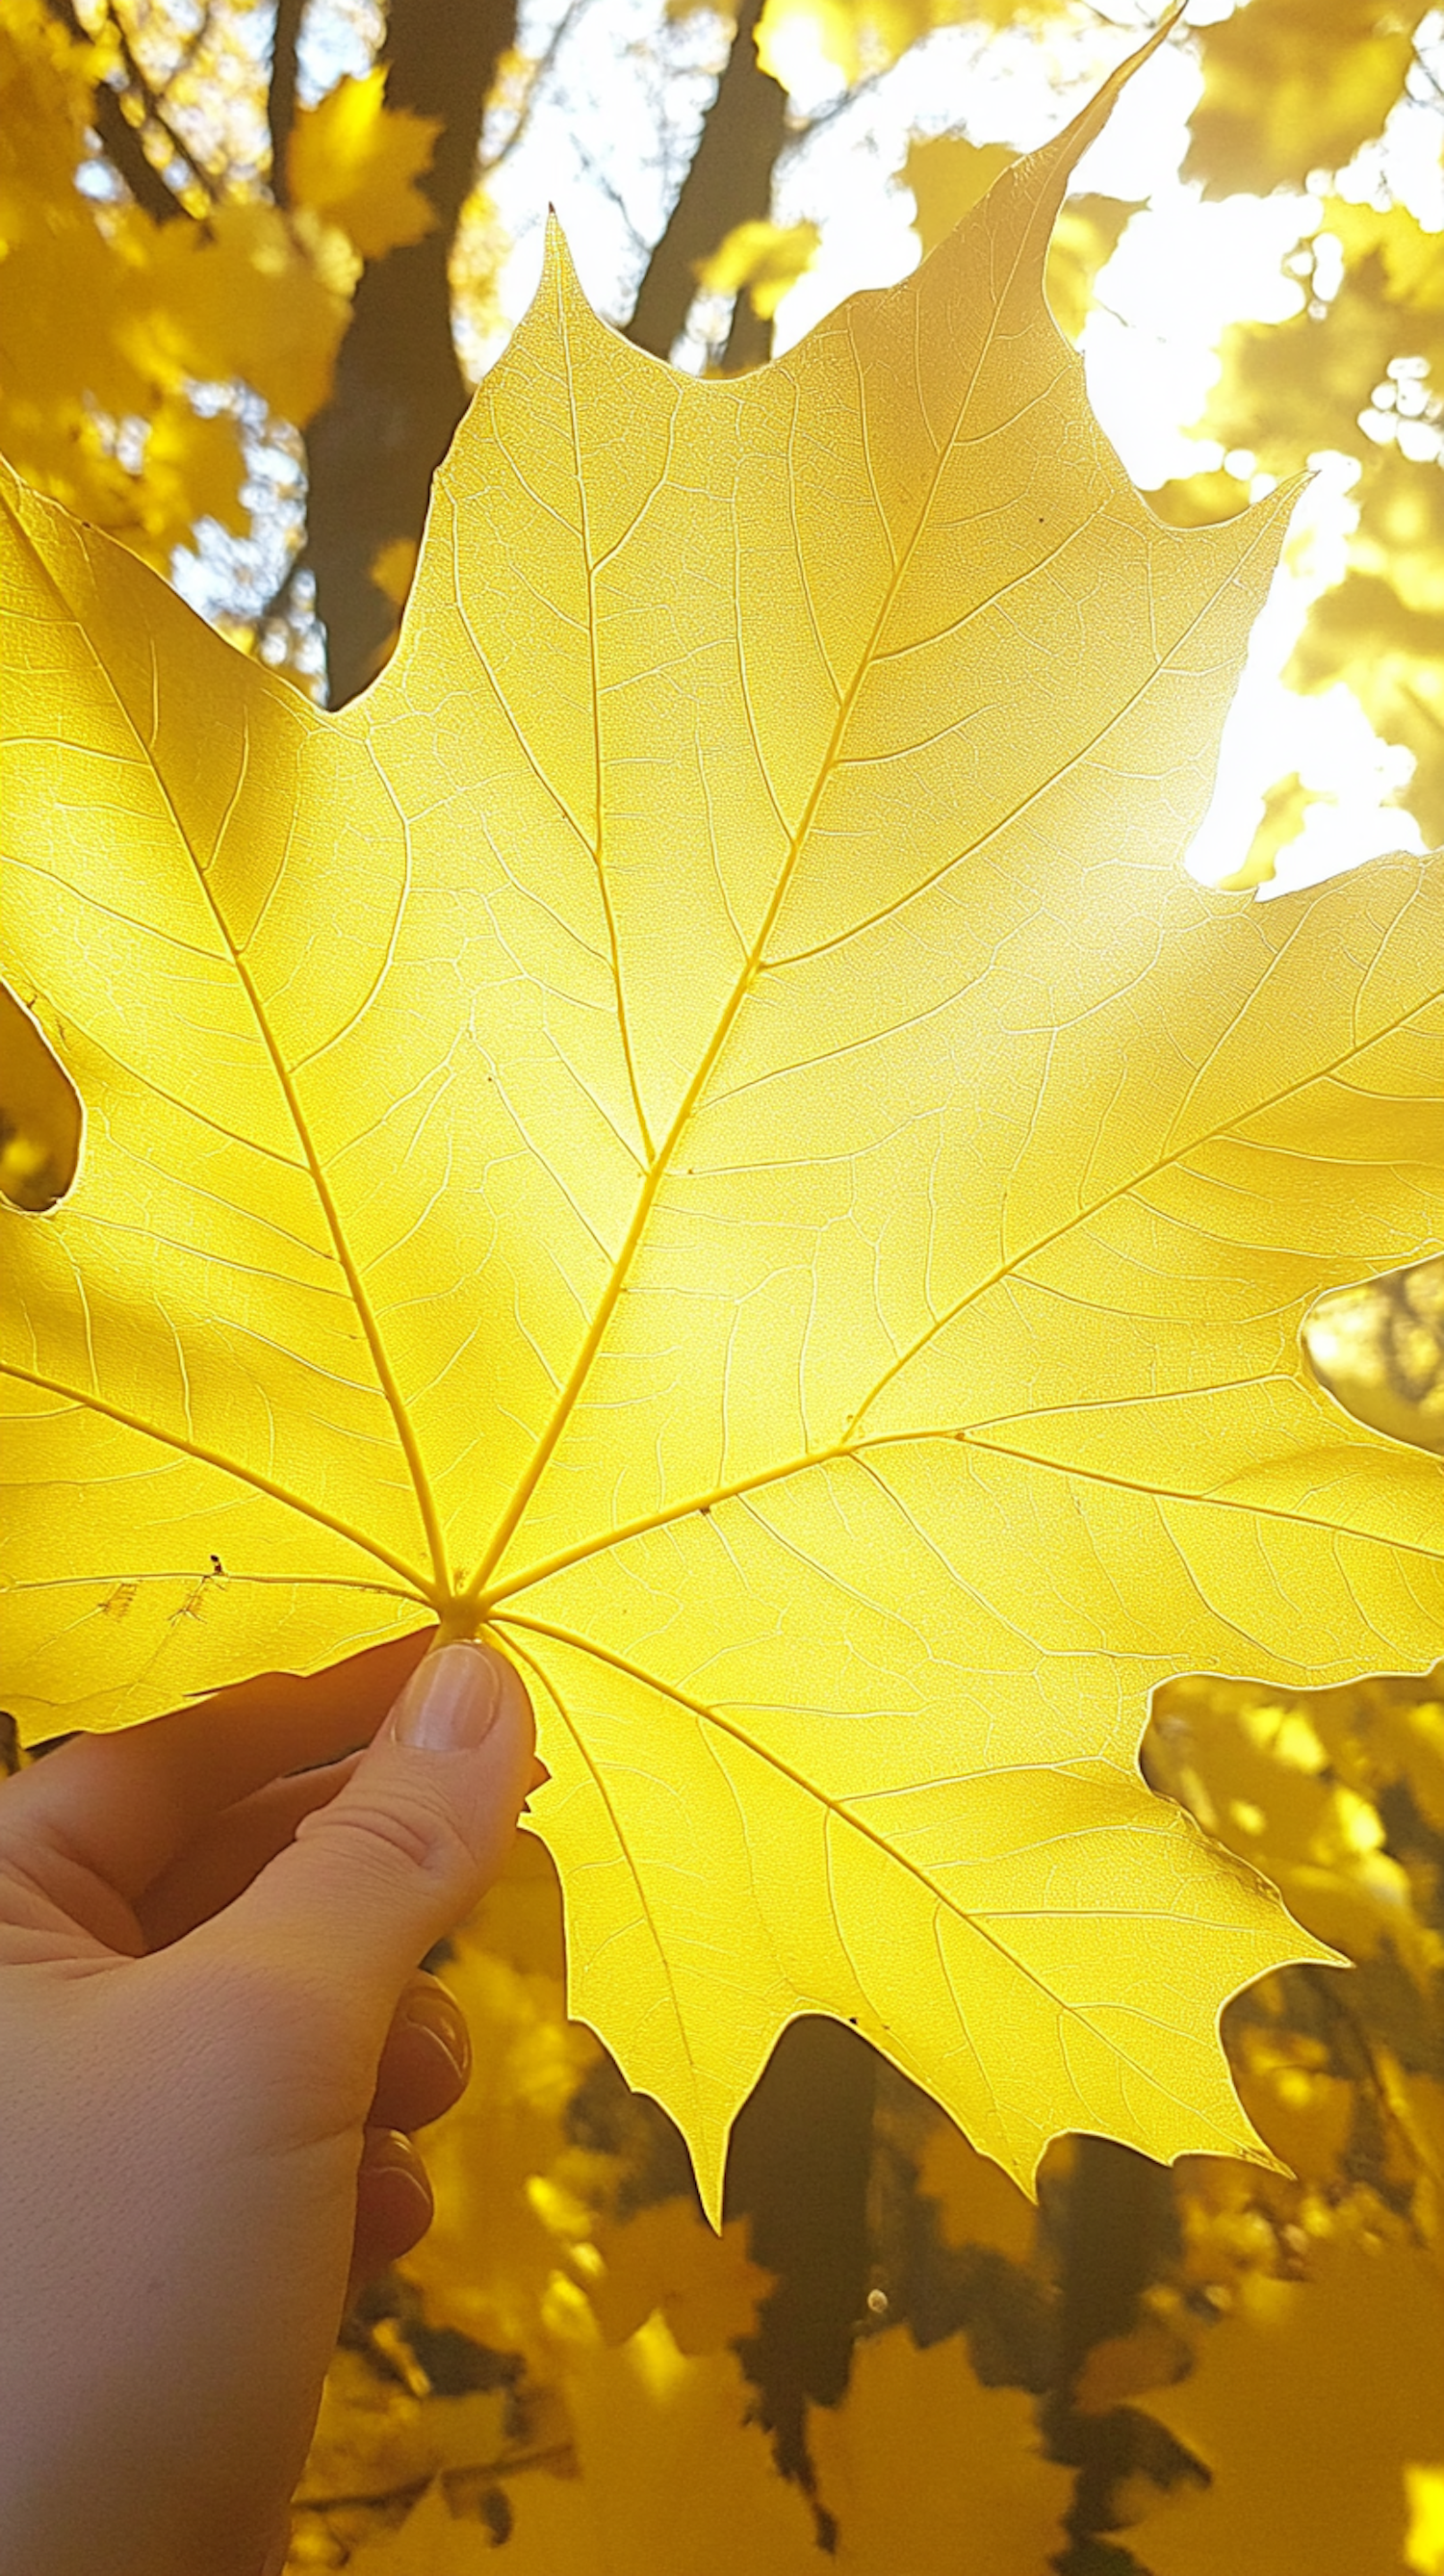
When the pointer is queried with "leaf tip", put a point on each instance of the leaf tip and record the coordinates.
(559, 269)
(1088, 124)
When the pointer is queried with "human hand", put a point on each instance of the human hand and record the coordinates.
(214, 2039)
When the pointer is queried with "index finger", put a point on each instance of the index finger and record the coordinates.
(125, 1806)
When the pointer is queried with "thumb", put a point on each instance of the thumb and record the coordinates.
(421, 1828)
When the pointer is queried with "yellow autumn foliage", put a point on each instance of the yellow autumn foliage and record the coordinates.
(866, 36)
(1355, 371)
(615, 2430)
(1291, 2304)
(109, 318)
(355, 162)
(594, 1185)
(762, 259)
(1341, 2375)
(1293, 1786)
(1295, 86)
(925, 2468)
(1378, 1346)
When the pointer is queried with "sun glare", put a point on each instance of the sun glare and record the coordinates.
(1185, 268)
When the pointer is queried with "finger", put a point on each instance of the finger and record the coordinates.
(394, 2204)
(426, 2058)
(227, 1854)
(126, 1806)
(374, 1878)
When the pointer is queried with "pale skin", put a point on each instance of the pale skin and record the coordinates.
(216, 2046)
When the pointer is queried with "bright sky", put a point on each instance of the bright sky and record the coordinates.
(627, 74)
(1183, 270)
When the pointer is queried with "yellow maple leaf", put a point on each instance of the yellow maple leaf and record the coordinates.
(1286, 807)
(666, 2261)
(251, 299)
(355, 162)
(764, 259)
(1293, 86)
(862, 36)
(700, 1128)
(1309, 2404)
(926, 2470)
(948, 176)
(678, 2476)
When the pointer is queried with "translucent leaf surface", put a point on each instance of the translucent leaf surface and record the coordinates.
(702, 1127)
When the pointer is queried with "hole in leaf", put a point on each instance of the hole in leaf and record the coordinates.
(41, 1119)
(1378, 1348)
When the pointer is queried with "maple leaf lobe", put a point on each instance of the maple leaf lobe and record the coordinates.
(706, 1100)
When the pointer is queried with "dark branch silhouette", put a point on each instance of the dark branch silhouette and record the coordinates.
(281, 95)
(729, 183)
(399, 392)
(119, 139)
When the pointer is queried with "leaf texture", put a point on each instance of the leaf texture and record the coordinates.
(702, 1126)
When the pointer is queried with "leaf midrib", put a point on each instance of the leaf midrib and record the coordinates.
(581, 1368)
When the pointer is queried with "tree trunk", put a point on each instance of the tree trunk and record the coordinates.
(399, 392)
(729, 183)
(120, 140)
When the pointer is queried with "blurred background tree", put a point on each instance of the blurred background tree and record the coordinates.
(242, 244)
(1292, 94)
(251, 257)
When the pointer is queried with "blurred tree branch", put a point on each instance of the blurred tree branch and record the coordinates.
(281, 94)
(120, 140)
(728, 183)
